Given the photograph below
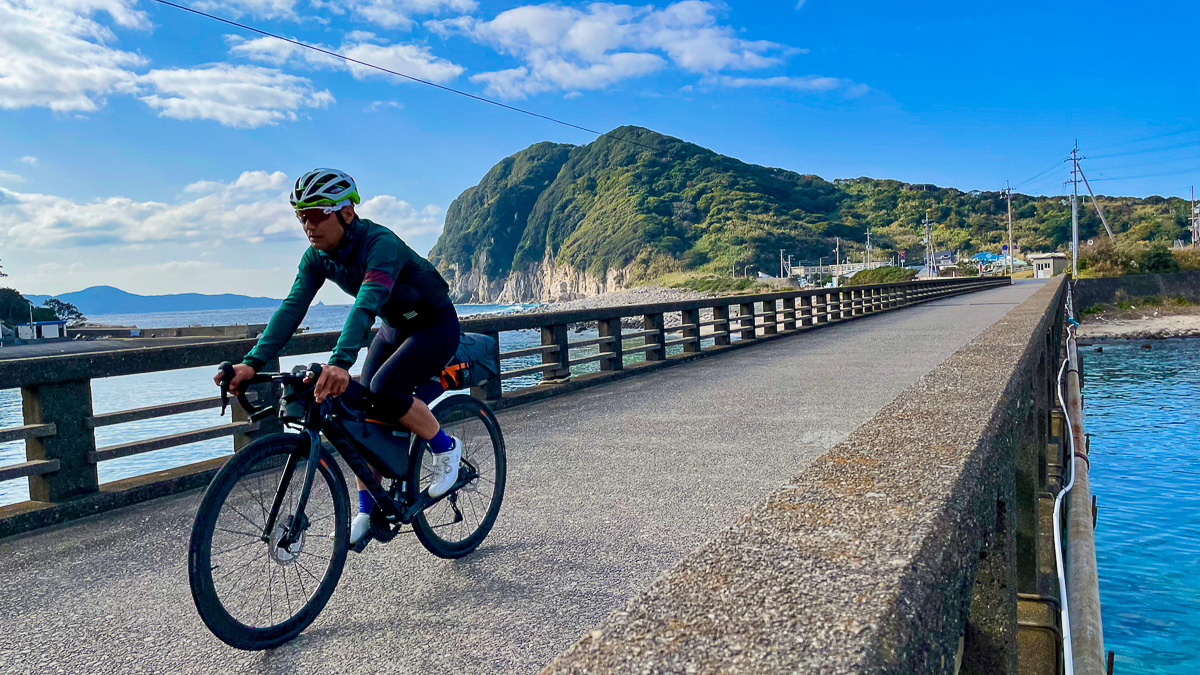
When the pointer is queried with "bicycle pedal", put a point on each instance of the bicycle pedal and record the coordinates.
(361, 544)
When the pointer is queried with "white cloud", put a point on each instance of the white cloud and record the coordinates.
(236, 96)
(807, 83)
(263, 9)
(28, 159)
(252, 208)
(54, 54)
(8, 177)
(551, 74)
(410, 59)
(571, 49)
(401, 217)
(396, 13)
(377, 106)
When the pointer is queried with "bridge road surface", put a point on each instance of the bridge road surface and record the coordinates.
(607, 488)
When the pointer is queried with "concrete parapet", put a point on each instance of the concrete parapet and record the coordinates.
(1089, 292)
(892, 553)
(237, 331)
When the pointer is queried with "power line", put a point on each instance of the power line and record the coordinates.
(1150, 138)
(1039, 174)
(1151, 175)
(1164, 148)
(1154, 163)
(443, 87)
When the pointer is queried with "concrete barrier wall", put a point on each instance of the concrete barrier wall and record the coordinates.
(1089, 292)
(237, 331)
(895, 552)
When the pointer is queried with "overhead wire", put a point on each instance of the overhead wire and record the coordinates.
(1145, 150)
(1149, 138)
(452, 90)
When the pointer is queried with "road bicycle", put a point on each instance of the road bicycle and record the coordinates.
(271, 534)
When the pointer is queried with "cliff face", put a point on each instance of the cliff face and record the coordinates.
(546, 281)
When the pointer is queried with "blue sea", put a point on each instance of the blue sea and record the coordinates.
(1142, 409)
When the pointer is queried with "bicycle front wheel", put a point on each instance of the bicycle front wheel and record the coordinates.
(252, 588)
(456, 525)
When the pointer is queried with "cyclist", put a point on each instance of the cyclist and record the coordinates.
(417, 338)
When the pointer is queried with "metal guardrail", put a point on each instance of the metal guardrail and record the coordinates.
(59, 429)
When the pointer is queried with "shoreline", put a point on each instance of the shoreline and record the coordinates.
(1184, 325)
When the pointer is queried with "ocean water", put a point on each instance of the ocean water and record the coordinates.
(137, 391)
(1142, 409)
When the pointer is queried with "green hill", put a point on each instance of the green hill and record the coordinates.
(658, 204)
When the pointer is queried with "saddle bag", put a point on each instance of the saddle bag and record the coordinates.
(475, 363)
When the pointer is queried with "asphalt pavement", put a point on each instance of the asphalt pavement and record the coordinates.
(607, 488)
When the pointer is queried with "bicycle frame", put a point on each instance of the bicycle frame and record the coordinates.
(323, 417)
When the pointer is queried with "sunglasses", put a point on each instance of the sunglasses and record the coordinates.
(314, 215)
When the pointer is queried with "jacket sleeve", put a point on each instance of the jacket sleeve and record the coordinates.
(291, 312)
(383, 262)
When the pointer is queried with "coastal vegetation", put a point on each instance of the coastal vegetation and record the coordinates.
(881, 275)
(652, 205)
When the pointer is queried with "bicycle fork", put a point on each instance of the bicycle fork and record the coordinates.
(299, 521)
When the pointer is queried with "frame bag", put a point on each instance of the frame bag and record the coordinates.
(475, 363)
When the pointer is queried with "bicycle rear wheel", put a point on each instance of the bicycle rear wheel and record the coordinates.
(456, 525)
(251, 591)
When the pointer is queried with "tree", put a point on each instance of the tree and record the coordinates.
(65, 311)
(14, 308)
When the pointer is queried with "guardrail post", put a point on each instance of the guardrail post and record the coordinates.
(691, 317)
(655, 322)
(842, 301)
(806, 310)
(820, 308)
(721, 325)
(556, 336)
(611, 328)
(265, 393)
(771, 320)
(746, 314)
(66, 405)
(789, 314)
(858, 302)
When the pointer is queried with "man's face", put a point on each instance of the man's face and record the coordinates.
(322, 229)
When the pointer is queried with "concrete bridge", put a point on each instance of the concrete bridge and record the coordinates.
(859, 498)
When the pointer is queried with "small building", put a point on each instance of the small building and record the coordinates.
(42, 330)
(1046, 265)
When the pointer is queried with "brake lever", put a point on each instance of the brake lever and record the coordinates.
(226, 369)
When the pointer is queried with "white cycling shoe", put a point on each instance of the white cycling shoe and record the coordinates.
(445, 469)
(359, 527)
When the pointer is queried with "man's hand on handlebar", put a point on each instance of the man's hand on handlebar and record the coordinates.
(332, 382)
(241, 373)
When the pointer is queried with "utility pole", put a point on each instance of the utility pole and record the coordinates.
(929, 254)
(1195, 220)
(1075, 211)
(1008, 195)
(780, 263)
(837, 254)
(867, 255)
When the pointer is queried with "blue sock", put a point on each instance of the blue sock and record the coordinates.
(365, 501)
(441, 443)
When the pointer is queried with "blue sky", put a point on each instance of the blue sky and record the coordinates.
(148, 148)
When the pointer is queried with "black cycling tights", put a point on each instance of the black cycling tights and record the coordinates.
(402, 362)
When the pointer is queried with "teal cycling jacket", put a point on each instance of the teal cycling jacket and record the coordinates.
(386, 277)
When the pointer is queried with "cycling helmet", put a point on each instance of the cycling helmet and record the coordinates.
(324, 187)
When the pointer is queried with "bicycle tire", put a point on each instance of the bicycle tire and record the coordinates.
(268, 452)
(459, 414)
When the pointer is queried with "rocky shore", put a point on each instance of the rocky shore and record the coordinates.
(1151, 324)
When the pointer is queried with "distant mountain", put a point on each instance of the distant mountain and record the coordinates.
(554, 222)
(109, 300)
